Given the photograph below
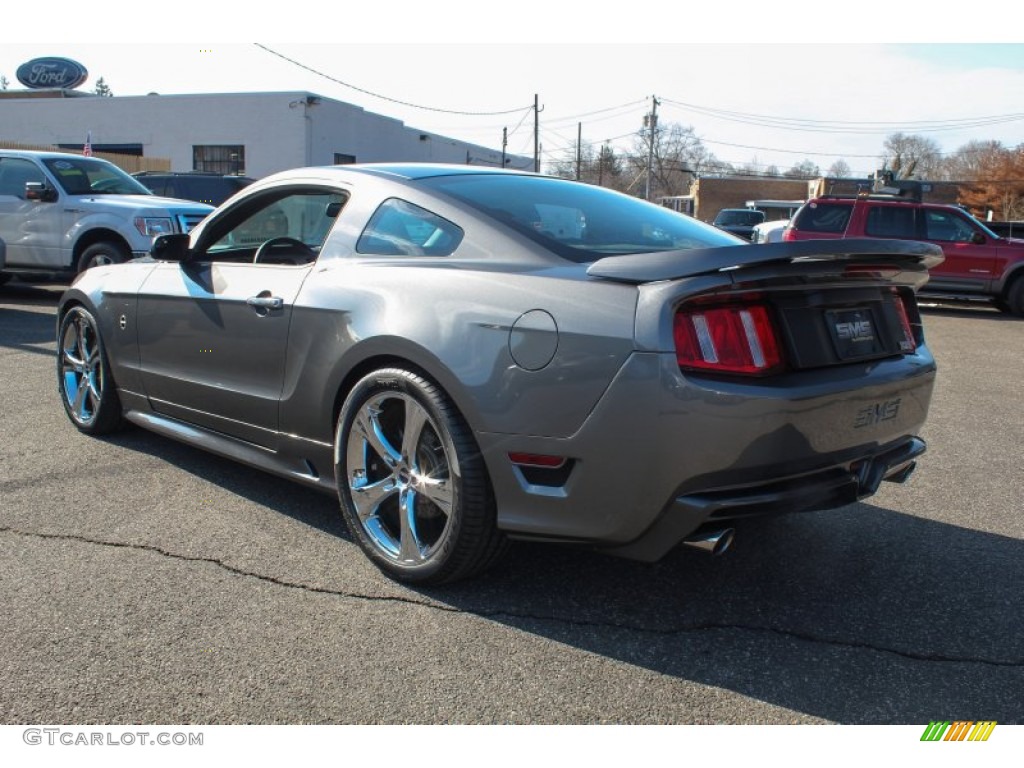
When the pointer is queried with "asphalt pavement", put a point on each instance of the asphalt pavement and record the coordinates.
(144, 581)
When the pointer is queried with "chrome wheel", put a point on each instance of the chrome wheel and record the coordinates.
(413, 486)
(83, 376)
(400, 477)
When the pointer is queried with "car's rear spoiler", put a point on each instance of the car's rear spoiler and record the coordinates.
(674, 265)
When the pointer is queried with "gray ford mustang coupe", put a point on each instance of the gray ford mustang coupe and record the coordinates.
(467, 356)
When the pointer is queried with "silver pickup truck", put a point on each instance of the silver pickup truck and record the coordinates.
(64, 213)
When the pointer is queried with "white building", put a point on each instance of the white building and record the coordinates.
(254, 134)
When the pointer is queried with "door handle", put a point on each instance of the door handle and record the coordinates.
(265, 302)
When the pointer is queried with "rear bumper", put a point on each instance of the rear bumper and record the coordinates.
(827, 489)
(663, 454)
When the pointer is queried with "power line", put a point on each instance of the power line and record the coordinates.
(575, 118)
(387, 98)
(849, 126)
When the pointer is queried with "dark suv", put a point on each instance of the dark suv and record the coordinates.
(739, 221)
(209, 188)
(979, 264)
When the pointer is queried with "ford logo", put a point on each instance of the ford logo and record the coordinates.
(51, 72)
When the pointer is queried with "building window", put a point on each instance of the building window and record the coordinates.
(225, 159)
(340, 159)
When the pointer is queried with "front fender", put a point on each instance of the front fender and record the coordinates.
(110, 293)
(119, 226)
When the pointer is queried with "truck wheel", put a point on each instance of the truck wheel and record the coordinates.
(1014, 302)
(98, 254)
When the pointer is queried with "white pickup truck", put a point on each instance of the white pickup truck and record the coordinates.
(64, 213)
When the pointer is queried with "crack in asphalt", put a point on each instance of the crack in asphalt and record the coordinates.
(521, 615)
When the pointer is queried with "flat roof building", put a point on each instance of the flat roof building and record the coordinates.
(255, 134)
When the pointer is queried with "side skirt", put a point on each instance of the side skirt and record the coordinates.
(305, 465)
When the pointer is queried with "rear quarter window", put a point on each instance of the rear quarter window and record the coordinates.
(891, 221)
(823, 217)
(399, 228)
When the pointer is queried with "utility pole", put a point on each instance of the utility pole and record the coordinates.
(536, 133)
(504, 144)
(651, 121)
(579, 149)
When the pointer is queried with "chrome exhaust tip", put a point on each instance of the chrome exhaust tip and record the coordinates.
(713, 542)
(903, 474)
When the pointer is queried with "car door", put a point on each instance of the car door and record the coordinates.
(213, 331)
(970, 262)
(30, 229)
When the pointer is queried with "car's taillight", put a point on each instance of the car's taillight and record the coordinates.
(788, 235)
(909, 343)
(737, 338)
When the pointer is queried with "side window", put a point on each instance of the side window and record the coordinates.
(891, 221)
(398, 228)
(279, 228)
(947, 227)
(824, 217)
(14, 173)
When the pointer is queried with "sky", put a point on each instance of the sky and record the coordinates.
(759, 88)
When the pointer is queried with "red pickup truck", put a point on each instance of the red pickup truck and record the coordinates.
(979, 265)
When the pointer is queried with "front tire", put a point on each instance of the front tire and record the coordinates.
(413, 487)
(86, 387)
(101, 254)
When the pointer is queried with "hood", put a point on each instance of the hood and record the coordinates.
(674, 265)
(142, 202)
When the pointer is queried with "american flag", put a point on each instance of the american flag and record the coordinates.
(87, 149)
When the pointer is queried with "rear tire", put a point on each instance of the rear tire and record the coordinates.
(100, 254)
(413, 487)
(1014, 302)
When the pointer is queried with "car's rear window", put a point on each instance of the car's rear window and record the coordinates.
(738, 218)
(579, 222)
(823, 217)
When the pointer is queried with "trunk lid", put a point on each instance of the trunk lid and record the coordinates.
(763, 310)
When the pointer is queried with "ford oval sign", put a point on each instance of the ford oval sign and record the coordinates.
(51, 72)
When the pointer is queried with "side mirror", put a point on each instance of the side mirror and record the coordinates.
(978, 239)
(170, 248)
(37, 190)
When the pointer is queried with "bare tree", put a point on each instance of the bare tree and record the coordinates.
(805, 169)
(840, 169)
(565, 166)
(912, 157)
(102, 89)
(970, 161)
(603, 167)
(679, 156)
(4, 82)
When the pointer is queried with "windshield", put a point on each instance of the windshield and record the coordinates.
(579, 222)
(737, 218)
(89, 176)
(981, 225)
